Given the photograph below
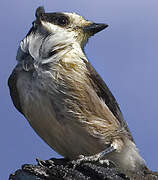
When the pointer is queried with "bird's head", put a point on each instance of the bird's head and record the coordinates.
(52, 32)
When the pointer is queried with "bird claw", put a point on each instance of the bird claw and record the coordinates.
(94, 158)
(84, 159)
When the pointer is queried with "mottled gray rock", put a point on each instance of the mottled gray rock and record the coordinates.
(62, 169)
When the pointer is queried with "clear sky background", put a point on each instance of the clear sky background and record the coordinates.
(125, 55)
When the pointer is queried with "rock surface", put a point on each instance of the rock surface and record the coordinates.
(62, 169)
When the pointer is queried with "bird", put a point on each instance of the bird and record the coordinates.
(63, 97)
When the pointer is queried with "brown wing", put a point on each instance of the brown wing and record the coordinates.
(12, 81)
(104, 93)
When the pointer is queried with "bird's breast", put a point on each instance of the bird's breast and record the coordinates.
(52, 120)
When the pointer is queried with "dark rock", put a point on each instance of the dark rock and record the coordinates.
(63, 169)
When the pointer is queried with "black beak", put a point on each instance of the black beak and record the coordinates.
(94, 28)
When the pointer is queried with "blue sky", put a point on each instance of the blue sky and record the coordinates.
(125, 55)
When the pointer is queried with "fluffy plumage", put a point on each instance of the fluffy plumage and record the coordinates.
(63, 97)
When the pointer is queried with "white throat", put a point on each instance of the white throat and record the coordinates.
(57, 45)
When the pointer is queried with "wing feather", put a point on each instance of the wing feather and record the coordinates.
(105, 94)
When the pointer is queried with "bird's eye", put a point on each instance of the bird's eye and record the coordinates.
(62, 21)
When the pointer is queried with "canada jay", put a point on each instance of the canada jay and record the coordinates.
(62, 96)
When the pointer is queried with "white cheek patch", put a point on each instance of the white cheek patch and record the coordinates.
(30, 45)
(24, 44)
(35, 43)
(52, 27)
(23, 49)
(59, 35)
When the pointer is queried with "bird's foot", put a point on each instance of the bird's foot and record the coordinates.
(95, 158)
